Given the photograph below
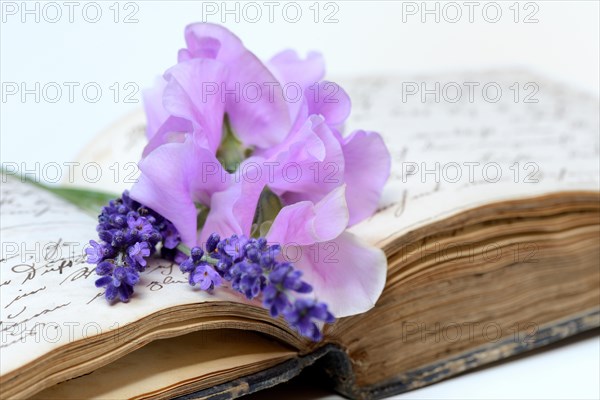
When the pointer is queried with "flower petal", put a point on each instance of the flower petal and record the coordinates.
(329, 100)
(290, 70)
(257, 109)
(193, 93)
(173, 130)
(156, 115)
(308, 164)
(288, 67)
(303, 142)
(175, 176)
(346, 273)
(367, 168)
(305, 223)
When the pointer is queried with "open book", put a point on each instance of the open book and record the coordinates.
(490, 222)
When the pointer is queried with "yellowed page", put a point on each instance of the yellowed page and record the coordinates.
(164, 364)
(510, 134)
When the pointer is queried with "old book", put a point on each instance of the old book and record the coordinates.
(490, 222)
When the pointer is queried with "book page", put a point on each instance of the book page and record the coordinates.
(457, 141)
(47, 292)
(209, 357)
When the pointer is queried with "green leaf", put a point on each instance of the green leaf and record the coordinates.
(269, 205)
(90, 201)
(202, 215)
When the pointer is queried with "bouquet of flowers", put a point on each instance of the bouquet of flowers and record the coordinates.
(247, 182)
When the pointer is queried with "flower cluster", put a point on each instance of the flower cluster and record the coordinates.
(252, 268)
(129, 233)
(222, 133)
(254, 168)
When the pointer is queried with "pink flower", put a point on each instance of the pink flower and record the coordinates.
(220, 105)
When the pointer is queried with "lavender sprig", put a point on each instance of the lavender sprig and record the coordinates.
(129, 234)
(252, 268)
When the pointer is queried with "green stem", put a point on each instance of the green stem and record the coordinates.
(188, 252)
(210, 260)
(184, 249)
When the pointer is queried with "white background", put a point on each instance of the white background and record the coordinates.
(368, 38)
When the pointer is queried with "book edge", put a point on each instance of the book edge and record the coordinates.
(336, 364)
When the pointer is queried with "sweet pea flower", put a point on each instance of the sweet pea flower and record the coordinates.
(206, 132)
(192, 100)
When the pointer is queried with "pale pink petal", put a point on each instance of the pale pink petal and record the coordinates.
(305, 223)
(367, 168)
(296, 75)
(303, 142)
(222, 218)
(288, 67)
(173, 130)
(206, 40)
(309, 164)
(329, 100)
(173, 178)
(345, 273)
(156, 115)
(193, 93)
(253, 97)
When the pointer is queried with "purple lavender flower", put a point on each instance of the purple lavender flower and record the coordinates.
(304, 315)
(139, 226)
(248, 278)
(129, 233)
(205, 276)
(252, 268)
(282, 279)
(138, 252)
(95, 254)
(201, 272)
(275, 300)
(126, 275)
(234, 246)
(105, 267)
(170, 235)
(212, 242)
(119, 283)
